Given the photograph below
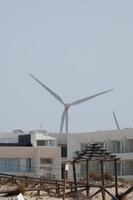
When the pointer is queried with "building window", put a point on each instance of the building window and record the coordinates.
(46, 161)
(25, 165)
(46, 143)
(28, 164)
(129, 167)
(129, 145)
(46, 168)
(10, 164)
(41, 143)
(52, 143)
(64, 151)
(15, 164)
(115, 146)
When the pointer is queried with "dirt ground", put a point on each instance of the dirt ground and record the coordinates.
(44, 196)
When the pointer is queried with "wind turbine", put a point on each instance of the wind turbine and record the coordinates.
(64, 117)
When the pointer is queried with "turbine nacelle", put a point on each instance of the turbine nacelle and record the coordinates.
(67, 106)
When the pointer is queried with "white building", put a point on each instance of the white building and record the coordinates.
(33, 154)
(44, 154)
(119, 142)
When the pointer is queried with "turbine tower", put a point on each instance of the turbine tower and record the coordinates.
(64, 117)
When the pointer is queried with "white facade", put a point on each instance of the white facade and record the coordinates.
(49, 151)
(119, 142)
(41, 159)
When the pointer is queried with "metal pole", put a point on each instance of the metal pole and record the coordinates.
(66, 120)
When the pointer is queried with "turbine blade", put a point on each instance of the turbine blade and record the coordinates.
(88, 98)
(62, 120)
(48, 89)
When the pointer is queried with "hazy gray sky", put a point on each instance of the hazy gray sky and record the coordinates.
(77, 48)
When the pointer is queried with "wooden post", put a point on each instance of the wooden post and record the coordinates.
(27, 181)
(38, 192)
(116, 179)
(74, 176)
(87, 178)
(64, 184)
(56, 183)
(65, 176)
(102, 177)
(57, 188)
